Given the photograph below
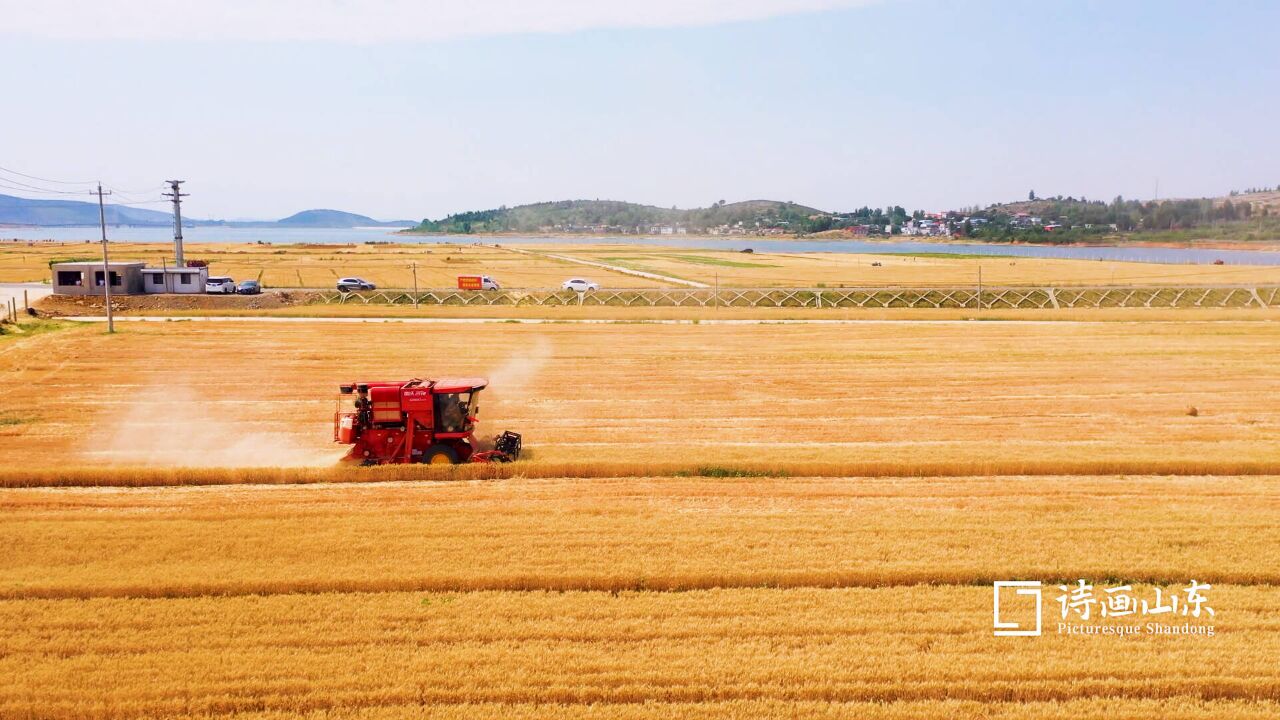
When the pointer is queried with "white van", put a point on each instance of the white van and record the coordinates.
(477, 282)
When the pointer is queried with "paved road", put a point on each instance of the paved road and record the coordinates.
(34, 292)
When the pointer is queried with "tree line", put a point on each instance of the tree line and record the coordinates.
(1016, 221)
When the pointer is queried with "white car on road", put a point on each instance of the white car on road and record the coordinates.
(579, 285)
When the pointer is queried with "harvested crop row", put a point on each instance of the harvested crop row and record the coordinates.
(876, 399)
(179, 476)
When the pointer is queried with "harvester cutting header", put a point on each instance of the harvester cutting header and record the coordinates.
(416, 421)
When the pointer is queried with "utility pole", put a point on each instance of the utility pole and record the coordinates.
(177, 196)
(979, 288)
(415, 284)
(106, 266)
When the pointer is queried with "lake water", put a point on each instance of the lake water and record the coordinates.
(283, 236)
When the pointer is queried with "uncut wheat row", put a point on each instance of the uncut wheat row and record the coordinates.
(672, 533)
(303, 653)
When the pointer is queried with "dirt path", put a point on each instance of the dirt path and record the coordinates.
(606, 266)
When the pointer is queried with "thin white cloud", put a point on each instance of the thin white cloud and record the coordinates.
(366, 21)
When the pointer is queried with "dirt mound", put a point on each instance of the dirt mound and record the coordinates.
(68, 305)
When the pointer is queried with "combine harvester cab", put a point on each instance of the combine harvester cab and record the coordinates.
(416, 421)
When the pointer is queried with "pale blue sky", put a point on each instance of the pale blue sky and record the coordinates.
(923, 103)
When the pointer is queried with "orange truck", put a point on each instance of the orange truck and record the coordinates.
(477, 282)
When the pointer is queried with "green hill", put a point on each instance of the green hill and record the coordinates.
(623, 217)
(335, 219)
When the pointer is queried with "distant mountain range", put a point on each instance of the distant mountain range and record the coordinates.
(24, 211)
(55, 213)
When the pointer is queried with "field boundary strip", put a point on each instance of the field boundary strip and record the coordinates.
(126, 476)
(953, 297)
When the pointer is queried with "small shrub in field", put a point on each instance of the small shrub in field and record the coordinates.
(1193, 411)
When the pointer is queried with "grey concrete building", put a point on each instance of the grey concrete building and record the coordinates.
(183, 280)
(86, 278)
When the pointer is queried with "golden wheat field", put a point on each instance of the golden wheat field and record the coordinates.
(551, 598)
(714, 521)
(547, 265)
(730, 268)
(865, 652)
(636, 533)
(632, 398)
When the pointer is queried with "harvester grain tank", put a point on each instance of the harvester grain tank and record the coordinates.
(416, 421)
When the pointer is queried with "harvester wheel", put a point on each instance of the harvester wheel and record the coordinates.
(440, 455)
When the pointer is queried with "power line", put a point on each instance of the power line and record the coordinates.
(33, 190)
(15, 184)
(60, 193)
(48, 180)
(135, 197)
(152, 192)
(36, 187)
(134, 203)
(21, 186)
(148, 188)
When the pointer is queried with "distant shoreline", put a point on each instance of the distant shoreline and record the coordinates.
(235, 224)
(284, 237)
(1265, 245)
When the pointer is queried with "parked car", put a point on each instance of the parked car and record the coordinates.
(220, 285)
(579, 285)
(250, 287)
(350, 284)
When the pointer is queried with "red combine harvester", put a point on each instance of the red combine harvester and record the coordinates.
(416, 421)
